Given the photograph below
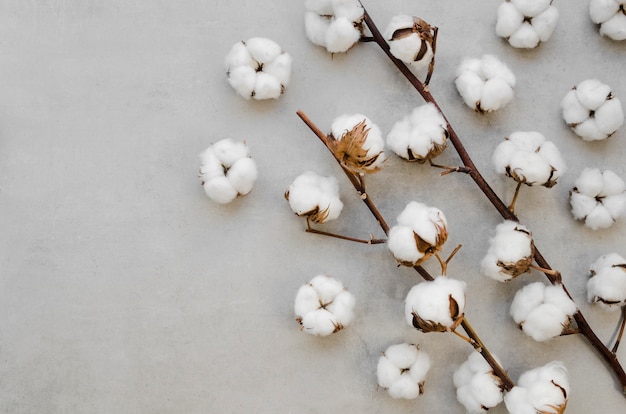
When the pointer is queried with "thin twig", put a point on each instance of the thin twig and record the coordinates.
(621, 331)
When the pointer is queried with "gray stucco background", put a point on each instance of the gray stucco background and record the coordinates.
(124, 289)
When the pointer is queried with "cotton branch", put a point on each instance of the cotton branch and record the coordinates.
(583, 326)
(476, 342)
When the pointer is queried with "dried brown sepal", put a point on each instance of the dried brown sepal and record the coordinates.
(349, 150)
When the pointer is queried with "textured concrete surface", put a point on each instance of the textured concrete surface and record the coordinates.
(123, 289)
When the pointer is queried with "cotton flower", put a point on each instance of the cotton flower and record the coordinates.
(421, 232)
(598, 198)
(413, 41)
(323, 306)
(334, 24)
(592, 111)
(315, 197)
(420, 136)
(258, 68)
(436, 306)
(510, 252)
(357, 143)
(402, 370)
(607, 283)
(227, 171)
(529, 158)
(526, 23)
(485, 84)
(541, 390)
(477, 387)
(611, 16)
(542, 312)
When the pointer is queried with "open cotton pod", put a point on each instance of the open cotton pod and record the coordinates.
(598, 198)
(436, 306)
(323, 306)
(544, 389)
(258, 68)
(607, 283)
(526, 23)
(510, 252)
(357, 143)
(485, 84)
(592, 110)
(336, 25)
(227, 171)
(402, 370)
(477, 387)
(315, 197)
(610, 15)
(413, 41)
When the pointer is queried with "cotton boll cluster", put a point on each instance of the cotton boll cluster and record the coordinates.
(258, 68)
(323, 306)
(592, 111)
(542, 312)
(315, 197)
(420, 136)
(402, 370)
(607, 284)
(357, 143)
(477, 387)
(436, 306)
(611, 16)
(510, 252)
(412, 40)
(227, 171)
(485, 84)
(421, 231)
(334, 24)
(528, 158)
(526, 23)
(544, 389)
(598, 198)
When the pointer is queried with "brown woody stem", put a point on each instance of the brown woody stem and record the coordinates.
(371, 240)
(621, 331)
(583, 326)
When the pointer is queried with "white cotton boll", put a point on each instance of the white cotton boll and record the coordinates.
(327, 288)
(401, 243)
(280, 69)
(496, 94)
(315, 196)
(404, 387)
(322, 7)
(316, 26)
(239, 56)
(341, 35)
(598, 198)
(508, 19)
(531, 8)
(610, 116)
(319, 322)
(242, 175)
(524, 37)
(342, 307)
(263, 50)
(406, 49)
(544, 322)
(608, 288)
(243, 80)
(474, 74)
(512, 248)
(526, 299)
(573, 111)
(615, 27)
(592, 93)
(542, 389)
(431, 302)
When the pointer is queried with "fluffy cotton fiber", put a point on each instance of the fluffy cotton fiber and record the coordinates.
(477, 387)
(598, 198)
(510, 252)
(436, 306)
(333, 24)
(402, 370)
(610, 15)
(607, 284)
(315, 196)
(526, 23)
(485, 84)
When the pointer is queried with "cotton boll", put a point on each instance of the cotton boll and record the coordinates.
(470, 87)
(402, 370)
(239, 56)
(315, 197)
(525, 300)
(242, 175)
(542, 389)
(599, 198)
(402, 355)
(485, 79)
(335, 25)
(510, 252)
(430, 301)
(544, 322)
(401, 243)
(508, 19)
(341, 35)
(496, 93)
(592, 93)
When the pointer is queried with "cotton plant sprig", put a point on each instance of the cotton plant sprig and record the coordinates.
(227, 171)
(592, 110)
(402, 369)
(598, 198)
(258, 68)
(526, 23)
(323, 306)
(530, 159)
(610, 16)
(485, 84)
(470, 169)
(472, 336)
